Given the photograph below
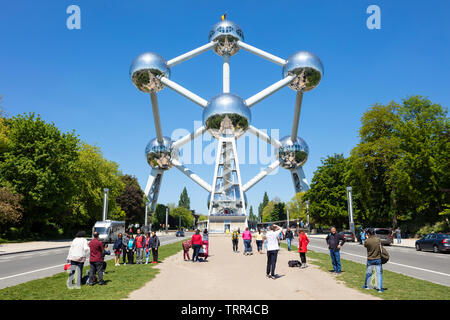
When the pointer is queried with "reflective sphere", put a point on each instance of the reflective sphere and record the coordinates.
(308, 68)
(226, 115)
(145, 71)
(292, 154)
(227, 34)
(159, 155)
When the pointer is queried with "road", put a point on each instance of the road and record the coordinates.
(23, 267)
(433, 267)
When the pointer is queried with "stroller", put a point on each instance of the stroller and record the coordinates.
(203, 253)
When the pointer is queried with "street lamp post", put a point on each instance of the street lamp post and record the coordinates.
(167, 219)
(146, 216)
(350, 209)
(287, 211)
(307, 214)
(105, 203)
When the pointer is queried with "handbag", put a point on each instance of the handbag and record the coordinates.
(384, 255)
(67, 267)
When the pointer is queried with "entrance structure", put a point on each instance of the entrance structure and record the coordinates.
(226, 117)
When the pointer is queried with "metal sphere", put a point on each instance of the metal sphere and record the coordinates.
(227, 34)
(292, 154)
(308, 68)
(226, 115)
(159, 155)
(146, 69)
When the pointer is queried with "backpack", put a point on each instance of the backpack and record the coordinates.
(294, 263)
(234, 235)
(130, 244)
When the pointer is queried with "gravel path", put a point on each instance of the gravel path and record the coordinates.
(233, 276)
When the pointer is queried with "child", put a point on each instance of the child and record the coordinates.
(186, 246)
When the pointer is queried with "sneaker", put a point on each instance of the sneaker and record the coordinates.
(102, 283)
(268, 276)
(365, 287)
(380, 291)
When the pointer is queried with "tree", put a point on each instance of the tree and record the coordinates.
(39, 164)
(327, 196)
(297, 207)
(184, 201)
(186, 217)
(131, 200)
(251, 215)
(94, 173)
(262, 205)
(10, 208)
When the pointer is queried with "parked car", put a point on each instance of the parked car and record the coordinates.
(384, 234)
(348, 236)
(436, 242)
(180, 233)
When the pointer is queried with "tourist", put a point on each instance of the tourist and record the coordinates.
(363, 236)
(96, 260)
(197, 243)
(289, 237)
(398, 232)
(147, 247)
(139, 242)
(125, 240)
(302, 246)
(131, 249)
(335, 241)
(206, 243)
(247, 238)
(118, 245)
(235, 240)
(78, 253)
(259, 237)
(272, 250)
(186, 245)
(373, 245)
(155, 247)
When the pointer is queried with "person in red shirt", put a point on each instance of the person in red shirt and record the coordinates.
(302, 246)
(96, 260)
(196, 242)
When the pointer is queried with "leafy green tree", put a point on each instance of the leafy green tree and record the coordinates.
(93, 174)
(131, 200)
(327, 195)
(184, 201)
(251, 215)
(297, 207)
(262, 205)
(186, 217)
(10, 208)
(39, 164)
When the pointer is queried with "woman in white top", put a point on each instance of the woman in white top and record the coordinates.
(78, 252)
(272, 250)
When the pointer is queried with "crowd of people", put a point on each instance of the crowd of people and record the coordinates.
(126, 245)
(129, 245)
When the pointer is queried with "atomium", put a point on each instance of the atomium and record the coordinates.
(159, 154)
(226, 33)
(146, 70)
(226, 115)
(293, 154)
(308, 68)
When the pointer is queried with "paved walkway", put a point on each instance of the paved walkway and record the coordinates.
(233, 276)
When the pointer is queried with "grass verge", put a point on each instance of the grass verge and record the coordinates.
(397, 286)
(121, 281)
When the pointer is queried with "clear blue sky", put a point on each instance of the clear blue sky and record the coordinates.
(79, 79)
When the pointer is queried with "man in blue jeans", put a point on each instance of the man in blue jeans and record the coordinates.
(373, 245)
(335, 241)
(289, 237)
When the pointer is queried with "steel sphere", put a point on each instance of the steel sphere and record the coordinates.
(226, 115)
(146, 69)
(308, 68)
(159, 155)
(227, 34)
(292, 154)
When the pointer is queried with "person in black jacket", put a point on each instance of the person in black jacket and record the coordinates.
(155, 246)
(335, 241)
(289, 237)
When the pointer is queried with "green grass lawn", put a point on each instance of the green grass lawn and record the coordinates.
(397, 286)
(121, 281)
